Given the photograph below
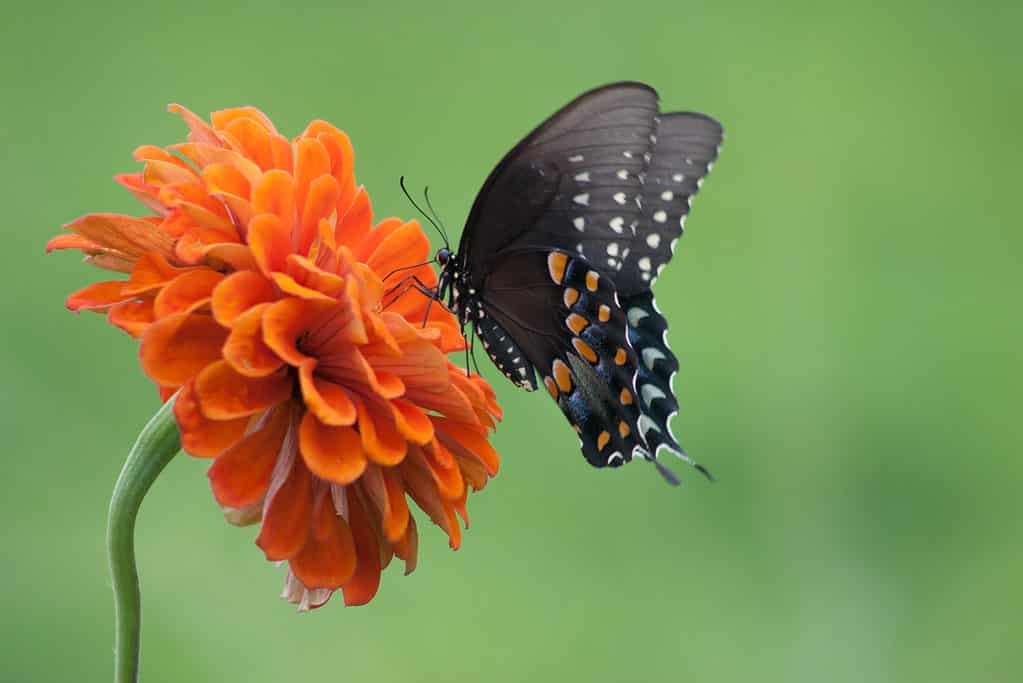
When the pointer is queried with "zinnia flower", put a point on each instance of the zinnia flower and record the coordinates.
(264, 296)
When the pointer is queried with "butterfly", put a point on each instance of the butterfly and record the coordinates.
(556, 262)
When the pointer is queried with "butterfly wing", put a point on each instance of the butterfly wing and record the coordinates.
(608, 180)
(565, 321)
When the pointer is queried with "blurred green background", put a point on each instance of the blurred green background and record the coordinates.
(845, 305)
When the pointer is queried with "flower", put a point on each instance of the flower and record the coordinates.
(281, 316)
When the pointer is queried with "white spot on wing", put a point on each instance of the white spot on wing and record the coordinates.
(579, 222)
(667, 195)
(583, 199)
(576, 158)
(619, 197)
(651, 392)
(660, 216)
(636, 314)
(612, 249)
(623, 174)
(617, 224)
(650, 356)
(583, 177)
(653, 240)
(644, 263)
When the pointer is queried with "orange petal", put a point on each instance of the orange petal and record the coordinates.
(98, 296)
(201, 436)
(249, 136)
(288, 513)
(327, 400)
(147, 194)
(318, 205)
(234, 256)
(383, 443)
(224, 117)
(331, 453)
(342, 157)
(241, 475)
(353, 227)
(201, 131)
(275, 194)
(468, 441)
(205, 155)
(283, 155)
(412, 422)
(227, 178)
(283, 323)
(195, 243)
(402, 247)
(384, 488)
(245, 349)
(270, 241)
(132, 316)
(225, 394)
(238, 293)
(311, 162)
(151, 272)
(71, 242)
(288, 285)
(328, 558)
(132, 236)
(407, 547)
(177, 347)
(420, 485)
(187, 292)
(363, 585)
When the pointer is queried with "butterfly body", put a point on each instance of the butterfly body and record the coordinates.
(564, 240)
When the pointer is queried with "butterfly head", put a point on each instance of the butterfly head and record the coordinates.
(443, 256)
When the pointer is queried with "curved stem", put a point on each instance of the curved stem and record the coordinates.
(156, 445)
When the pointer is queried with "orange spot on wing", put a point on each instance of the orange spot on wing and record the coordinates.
(556, 263)
(562, 375)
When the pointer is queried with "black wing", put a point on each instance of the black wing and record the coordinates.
(606, 177)
(608, 180)
(566, 323)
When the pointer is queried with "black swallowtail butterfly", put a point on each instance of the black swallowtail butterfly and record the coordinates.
(565, 239)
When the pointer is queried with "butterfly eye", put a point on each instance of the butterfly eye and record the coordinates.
(443, 256)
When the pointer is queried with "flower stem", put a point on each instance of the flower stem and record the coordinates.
(156, 445)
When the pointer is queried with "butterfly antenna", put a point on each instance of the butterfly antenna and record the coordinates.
(401, 181)
(429, 205)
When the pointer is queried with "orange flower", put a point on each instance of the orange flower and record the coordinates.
(263, 293)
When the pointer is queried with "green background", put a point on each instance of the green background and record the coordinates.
(845, 305)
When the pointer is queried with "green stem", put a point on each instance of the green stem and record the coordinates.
(156, 445)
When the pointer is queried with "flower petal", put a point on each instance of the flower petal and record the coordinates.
(132, 236)
(384, 488)
(331, 453)
(187, 292)
(356, 221)
(283, 323)
(225, 394)
(407, 548)
(241, 475)
(239, 292)
(245, 349)
(177, 347)
(327, 400)
(288, 511)
(468, 441)
(132, 316)
(412, 422)
(201, 436)
(97, 296)
(383, 443)
(363, 585)
(328, 558)
(270, 241)
(275, 194)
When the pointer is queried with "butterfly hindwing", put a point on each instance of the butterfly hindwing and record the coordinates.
(566, 318)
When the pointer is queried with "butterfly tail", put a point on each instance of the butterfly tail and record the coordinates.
(647, 333)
